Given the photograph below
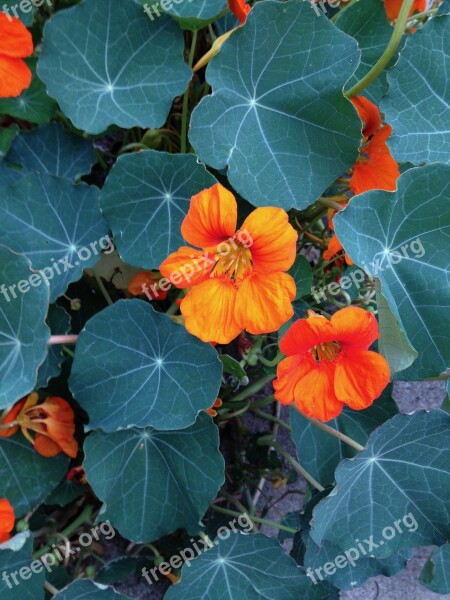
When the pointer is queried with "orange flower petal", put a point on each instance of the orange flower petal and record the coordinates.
(264, 301)
(354, 327)
(15, 77)
(46, 446)
(147, 282)
(369, 114)
(6, 520)
(334, 247)
(10, 417)
(360, 377)
(209, 311)
(289, 371)
(211, 219)
(377, 171)
(15, 39)
(314, 392)
(187, 267)
(304, 334)
(392, 7)
(240, 9)
(273, 239)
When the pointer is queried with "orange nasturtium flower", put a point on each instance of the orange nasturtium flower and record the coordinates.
(15, 44)
(329, 365)
(6, 520)
(146, 282)
(334, 245)
(240, 9)
(392, 7)
(375, 168)
(52, 421)
(238, 279)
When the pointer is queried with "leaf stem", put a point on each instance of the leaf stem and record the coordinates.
(334, 432)
(254, 388)
(184, 115)
(101, 285)
(233, 513)
(388, 53)
(269, 417)
(55, 340)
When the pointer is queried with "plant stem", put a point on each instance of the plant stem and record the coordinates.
(184, 116)
(264, 415)
(50, 588)
(335, 433)
(297, 466)
(69, 352)
(330, 203)
(426, 13)
(101, 285)
(62, 339)
(253, 389)
(233, 513)
(389, 52)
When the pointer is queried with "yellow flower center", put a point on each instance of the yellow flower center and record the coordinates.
(327, 351)
(233, 260)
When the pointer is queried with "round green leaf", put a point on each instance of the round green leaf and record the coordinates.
(53, 150)
(391, 479)
(27, 477)
(145, 199)
(23, 332)
(89, 590)
(436, 573)
(8, 176)
(26, 16)
(136, 367)
(402, 238)
(191, 14)
(250, 566)
(14, 558)
(153, 482)
(107, 63)
(418, 103)
(320, 453)
(33, 104)
(277, 117)
(53, 223)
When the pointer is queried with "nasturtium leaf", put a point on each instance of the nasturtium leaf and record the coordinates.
(402, 238)
(153, 482)
(301, 272)
(51, 149)
(403, 473)
(23, 332)
(59, 322)
(418, 103)
(392, 343)
(27, 477)
(11, 561)
(250, 566)
(56, 224)
(107, 63)
(191, 14)
(320, 453)
(33, 104)
(8, 176)
(7, 135)
(13, 9)
(436, 573)
(89, 590)
(67, 491)
(277, 117)
(145, 199)
(366, 21)
(136, 367)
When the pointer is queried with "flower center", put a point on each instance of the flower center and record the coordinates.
(233, 260)
(328, 351)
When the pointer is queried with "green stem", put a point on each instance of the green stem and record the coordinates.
(83, 517)
(268, 417)
(51, 588)
(426, 13)
(184, 116)
(330, 204)
(389, 52)
(335, 433)
(273, 362)
(297, 466)
(101, 285)
(233, 513)
(68, 351)
(253, 389)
